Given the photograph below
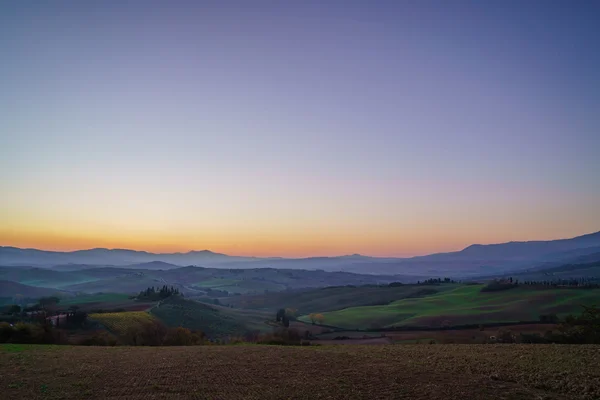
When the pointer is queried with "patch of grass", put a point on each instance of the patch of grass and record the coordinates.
(13, 348)
(26, 348)
(214, 321)
(465, 305)
(336, 298)
(120, 322)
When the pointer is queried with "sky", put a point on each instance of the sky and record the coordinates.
(308, 128)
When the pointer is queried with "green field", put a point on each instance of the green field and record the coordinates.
(335, 298)
(214, 321)
(464, 305)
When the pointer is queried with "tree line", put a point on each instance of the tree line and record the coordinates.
(157, 294)
(510, 283)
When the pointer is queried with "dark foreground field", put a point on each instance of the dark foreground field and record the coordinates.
(326, 372)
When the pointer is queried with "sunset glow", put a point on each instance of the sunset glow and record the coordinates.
(272, 129)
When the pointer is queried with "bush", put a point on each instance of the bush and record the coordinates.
(506, 337)
(5, 332)
(99, 339)
(549, 318)
(532, 338)
(30, 334)
(584, 329)
(283, 337)
(151, 333)
(182, 337)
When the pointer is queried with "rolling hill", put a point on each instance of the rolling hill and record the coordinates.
(464, 305)
(334, 298)
(193, 281)
(44, 277)
(11, 289)
(214, 321)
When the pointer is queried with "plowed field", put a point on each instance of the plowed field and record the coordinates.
(325, 372)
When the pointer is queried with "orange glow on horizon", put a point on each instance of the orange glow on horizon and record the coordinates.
(238, 246)
(267, 246)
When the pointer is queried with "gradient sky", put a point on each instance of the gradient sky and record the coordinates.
(298, 128)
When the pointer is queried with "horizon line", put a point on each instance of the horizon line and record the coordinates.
(283, 257)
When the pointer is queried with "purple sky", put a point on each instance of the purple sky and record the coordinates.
(319, 127)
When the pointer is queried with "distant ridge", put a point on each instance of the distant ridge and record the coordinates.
(527, 248)
(476, 259)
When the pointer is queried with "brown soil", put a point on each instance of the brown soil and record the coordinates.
(438, 372)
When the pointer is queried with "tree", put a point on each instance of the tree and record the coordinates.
(18, 299)
(49, 301)
(78, 318)
(582, 329)
(316, 318)
(14, 309)
(280, 315)
(290, 312)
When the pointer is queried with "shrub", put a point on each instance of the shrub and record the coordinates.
(532, 338)
(281, 336)
(584, 329)
(150, 333)
(99, 339)
(550, 318)
(30, 333)
(506, 337)
(182, 337)
(5, 332)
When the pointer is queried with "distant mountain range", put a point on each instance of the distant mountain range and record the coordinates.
(474, 260)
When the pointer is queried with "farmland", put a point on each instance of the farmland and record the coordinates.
(335, 298)
(106, 302)
(120, 323)
(214, 321)
(250, 372)
(464, 305)
(96, 298)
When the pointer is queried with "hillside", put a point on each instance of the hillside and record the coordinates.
(334, 298)
(214, 321)
(465, 305)
(43, 277)
(419, 372)
(10, 289)
(589, 271)
(192, 281)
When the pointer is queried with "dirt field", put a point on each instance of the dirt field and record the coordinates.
(325, 372)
